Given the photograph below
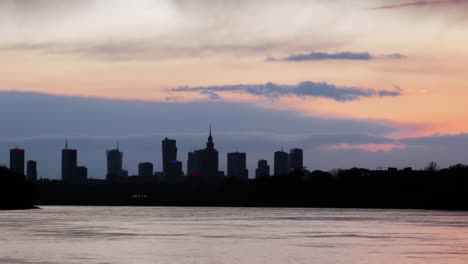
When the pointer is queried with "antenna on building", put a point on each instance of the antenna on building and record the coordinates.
(117, 145)
(210, 129)
(66, 143)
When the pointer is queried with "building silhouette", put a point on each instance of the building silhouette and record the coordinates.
(192, 163)
(172, 168)
(204, 162)
(114, 163)
(236, 165)
(296, 159)
(263, 169)
(80, 174)
(69, 162)
(145, 169)
(281, 163)
(17, 160)
(31, 171)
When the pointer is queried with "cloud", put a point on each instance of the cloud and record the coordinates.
(41, 123)
(449, 141)
(418, 4)
(321, 56)
(367, 147)
(303, 89)
(395, 56)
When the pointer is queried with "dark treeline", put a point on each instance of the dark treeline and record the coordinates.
(15, 193)
(353, 188)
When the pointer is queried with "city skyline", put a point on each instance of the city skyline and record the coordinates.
(199, 163)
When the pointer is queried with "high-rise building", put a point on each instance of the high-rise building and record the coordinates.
(17, 160)
(204, 162)
(295, 159)
(69, 162)
(281, 163)
(80, 174)
(114, 163)
(263, 169)
(192, 163)
(236, 165)
(169, 158)
(145, 169)
(31, 171)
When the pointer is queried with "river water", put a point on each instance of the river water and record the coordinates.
(231, 235)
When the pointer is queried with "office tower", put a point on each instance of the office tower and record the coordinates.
(295, 159)
(31, 171)
(69, 162)
(80, 174)
(169, 156)
(263, 170)
(192, 163)
(175, 172)
(281, 163)
(204, 162)
(114, 163)
(17, 160)
(236, 165)
(145, 169)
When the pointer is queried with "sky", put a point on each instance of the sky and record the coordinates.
(355, 83)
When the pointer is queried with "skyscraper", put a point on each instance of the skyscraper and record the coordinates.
(17, 160)
(169, 157)
(31, 171)
(236, 165)
(114, 163)
(192, 164)
(80, 174)
(296, 159)
(69, 162)
(263, 170)
(204, 162)
(145, 169)
(281, 163)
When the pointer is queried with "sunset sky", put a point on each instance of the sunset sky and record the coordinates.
(369, 83)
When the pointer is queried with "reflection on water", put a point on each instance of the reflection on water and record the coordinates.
(231, 235)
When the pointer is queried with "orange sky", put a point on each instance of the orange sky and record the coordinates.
(141, 50)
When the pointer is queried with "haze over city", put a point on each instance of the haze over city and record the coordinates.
(353, 83)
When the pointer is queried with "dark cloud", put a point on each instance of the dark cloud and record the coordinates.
(321, 56)
(40, 123)
(304, 89)
(448, 141)
(417, 4)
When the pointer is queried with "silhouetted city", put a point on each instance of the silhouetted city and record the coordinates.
(291, 184)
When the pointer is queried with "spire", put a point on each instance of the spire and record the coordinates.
(117, 145)
(210, 143)
(66, 143)
(210, 138)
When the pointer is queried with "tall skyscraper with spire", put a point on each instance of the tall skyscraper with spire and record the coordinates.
(204, 162)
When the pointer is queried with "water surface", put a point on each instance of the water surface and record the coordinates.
(182, 235)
